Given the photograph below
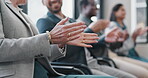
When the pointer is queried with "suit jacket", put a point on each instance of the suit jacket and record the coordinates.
(74, 54)
(20, 44)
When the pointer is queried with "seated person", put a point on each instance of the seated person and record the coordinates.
(117, 17)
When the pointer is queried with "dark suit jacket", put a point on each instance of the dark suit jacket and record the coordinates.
(74, 54)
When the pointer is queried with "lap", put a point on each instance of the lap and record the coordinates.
(133, 61)
(131, 68)
(112, 71)
(130, 60)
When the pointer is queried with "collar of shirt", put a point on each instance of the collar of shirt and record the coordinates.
(61, 18)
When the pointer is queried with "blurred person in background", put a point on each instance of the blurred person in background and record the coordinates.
(123, 57)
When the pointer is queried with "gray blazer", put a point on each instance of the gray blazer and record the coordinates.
(20, 44)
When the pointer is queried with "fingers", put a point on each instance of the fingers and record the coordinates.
(120, 40)
(112, 31)
(91, 38)
(85, 45)
(75, 33)
(73, 37)
(78, 43)
(83, 39)
(120, 33)
(89, 41)
(75, 24)
(88, 34)
(62, 22)
(75, 30)
(111, 40)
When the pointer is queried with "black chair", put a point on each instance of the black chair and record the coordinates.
(103, 60)
(100, 53)
(106, 61)
(58, 69)
(71, 68)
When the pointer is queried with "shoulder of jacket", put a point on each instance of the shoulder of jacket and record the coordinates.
(44, 18)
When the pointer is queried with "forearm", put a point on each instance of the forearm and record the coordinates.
(134, 36)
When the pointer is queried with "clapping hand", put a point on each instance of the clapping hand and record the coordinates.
(141, 30)
(116, 35)
(62, 33)
(84, 40)
(98, 25)
(71, 34)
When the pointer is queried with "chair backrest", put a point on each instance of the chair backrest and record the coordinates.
(47, 65)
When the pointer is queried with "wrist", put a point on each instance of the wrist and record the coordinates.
(49, 36)
(134, 36)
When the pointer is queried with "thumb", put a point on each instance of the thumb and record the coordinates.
(62, 22)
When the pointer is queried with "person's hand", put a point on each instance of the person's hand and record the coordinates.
(61, 33)
(116, 35)
(98, 25)
(84, 40)
(139, 31)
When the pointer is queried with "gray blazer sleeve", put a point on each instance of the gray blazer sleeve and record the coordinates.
(25, 48)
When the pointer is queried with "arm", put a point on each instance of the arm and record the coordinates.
(24, 48)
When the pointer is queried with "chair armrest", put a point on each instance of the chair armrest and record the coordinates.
(82, 67)
(106, 61)
(68, 70)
